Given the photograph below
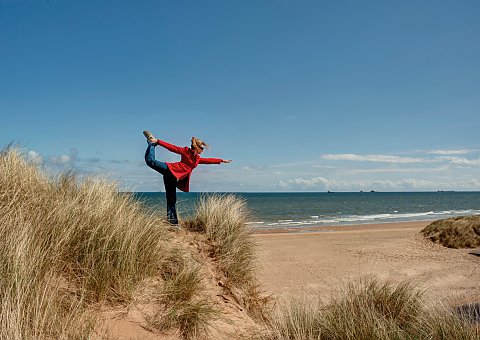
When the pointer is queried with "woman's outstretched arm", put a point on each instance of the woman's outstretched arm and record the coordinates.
(170, 147)
(214, 161)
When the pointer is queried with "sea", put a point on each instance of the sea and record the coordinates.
(316, 209)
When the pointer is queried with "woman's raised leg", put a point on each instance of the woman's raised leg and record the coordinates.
(161, 167)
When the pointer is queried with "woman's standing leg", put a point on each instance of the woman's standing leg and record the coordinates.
(171, 194)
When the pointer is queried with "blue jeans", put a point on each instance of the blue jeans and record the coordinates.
(168, 179)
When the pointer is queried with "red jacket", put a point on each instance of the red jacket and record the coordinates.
(183, 169)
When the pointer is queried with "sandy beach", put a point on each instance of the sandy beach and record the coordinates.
(320, 261)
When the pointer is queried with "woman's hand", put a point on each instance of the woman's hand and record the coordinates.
(226, 161)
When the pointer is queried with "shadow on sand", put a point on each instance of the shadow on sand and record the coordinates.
(475, 252)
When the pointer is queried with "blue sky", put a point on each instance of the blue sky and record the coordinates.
(302, 95)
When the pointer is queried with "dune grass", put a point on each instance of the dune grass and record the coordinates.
(69, 244)
(182, 299)
(222, 219)
(66, 244)
(192, 317)
(183, 286)
(368, 309)
(455, 232)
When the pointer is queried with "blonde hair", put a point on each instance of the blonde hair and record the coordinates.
(199, 143)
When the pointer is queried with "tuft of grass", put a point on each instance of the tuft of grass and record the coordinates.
(192, 317)
(371, 309)
(368, 309)
(182, 299)
(64, 244)
(443, 323)
(183, 286)
(455, 232)
(173, 262)
(297, 319)
(222, 219)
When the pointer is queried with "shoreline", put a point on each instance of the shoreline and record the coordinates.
(343, 227)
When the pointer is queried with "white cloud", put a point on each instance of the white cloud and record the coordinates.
(60, 160)
(405, 160)
(449, 152)
(305, 183)
(375, 158)
(65, 159)
(460, 161)
(392, 170)
(34, 156)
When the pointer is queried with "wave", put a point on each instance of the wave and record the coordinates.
(363, 219)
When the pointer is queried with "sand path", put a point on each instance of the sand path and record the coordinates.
(318, 262)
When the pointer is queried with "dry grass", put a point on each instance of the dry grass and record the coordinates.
(192, 317)
(456, 232)
(183, 286)
(299, 318)
(65, 244)
(182, 299)
(368, 309)
(222, 219)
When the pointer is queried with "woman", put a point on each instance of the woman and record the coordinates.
(177, 175)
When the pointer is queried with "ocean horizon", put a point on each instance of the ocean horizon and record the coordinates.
(273, 210)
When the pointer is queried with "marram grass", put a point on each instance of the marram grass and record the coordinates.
(65, 244)
(222, 219)
(455, 232)
(368, 309)
(183, 302)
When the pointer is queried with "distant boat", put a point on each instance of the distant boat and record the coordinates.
(329, 192)
(361, 190)
(372, 190)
